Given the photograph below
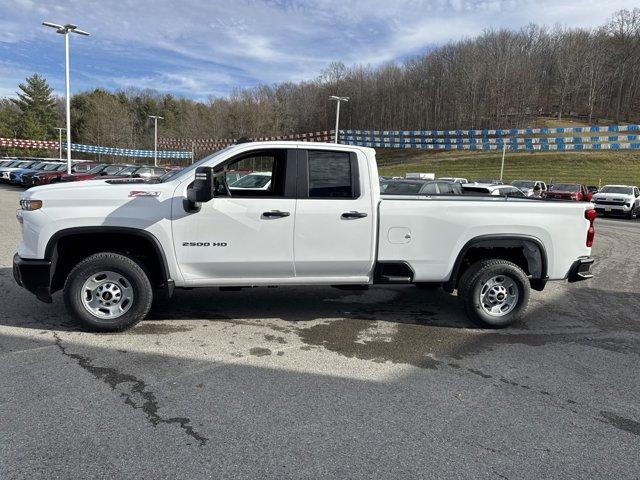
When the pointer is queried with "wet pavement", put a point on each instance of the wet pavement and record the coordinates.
(292, 382)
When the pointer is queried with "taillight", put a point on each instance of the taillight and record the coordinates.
(591, 232)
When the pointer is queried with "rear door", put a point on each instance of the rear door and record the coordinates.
(334, 223)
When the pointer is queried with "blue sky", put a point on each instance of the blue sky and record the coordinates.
(200, 48)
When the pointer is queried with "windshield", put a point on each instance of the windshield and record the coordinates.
(97, 169)
(253, 180)
(112, 169)
(128, 170)
(24, 164)
(523, 184)
(191, 168)
(60, 168)
(566, 187)
(621, 190)
(52, 166)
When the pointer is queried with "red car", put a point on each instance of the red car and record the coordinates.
(98, 171)
(53, 176)
(569, 191)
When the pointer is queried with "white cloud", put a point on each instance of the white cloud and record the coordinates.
(213, 46)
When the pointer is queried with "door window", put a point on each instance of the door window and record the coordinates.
(263, 175)
(429, 189)
(331, 175)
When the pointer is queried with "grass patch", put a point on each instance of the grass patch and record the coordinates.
(591, 168)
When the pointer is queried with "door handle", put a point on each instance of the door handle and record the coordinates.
(275, 214)
(353, 215)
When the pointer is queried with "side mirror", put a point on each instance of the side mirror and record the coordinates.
(201, 190)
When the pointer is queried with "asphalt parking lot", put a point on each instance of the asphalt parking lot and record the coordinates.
(308, 383)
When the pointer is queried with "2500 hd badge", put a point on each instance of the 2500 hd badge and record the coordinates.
(204, 244)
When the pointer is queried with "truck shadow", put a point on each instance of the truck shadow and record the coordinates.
(297, 305)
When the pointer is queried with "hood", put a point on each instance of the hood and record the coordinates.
(621, 197)
(92, 191)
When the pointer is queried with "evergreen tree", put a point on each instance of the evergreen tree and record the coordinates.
(37, 108)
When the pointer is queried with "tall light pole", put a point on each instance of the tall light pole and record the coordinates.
(155, 138)
(338, 100)
(65, 30)
(60, 129)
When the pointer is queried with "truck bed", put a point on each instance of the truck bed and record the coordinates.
(428, 232)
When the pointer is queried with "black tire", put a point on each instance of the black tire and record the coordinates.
(122, 265)
(633, 214)
(473, 280)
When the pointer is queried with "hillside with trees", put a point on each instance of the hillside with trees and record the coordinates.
(502, 78)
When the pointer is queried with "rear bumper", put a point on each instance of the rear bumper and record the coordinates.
(580, 270)
(34, 276)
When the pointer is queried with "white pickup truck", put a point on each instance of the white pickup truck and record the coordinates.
(112, 245)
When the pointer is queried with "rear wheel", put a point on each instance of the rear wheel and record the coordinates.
(494, 293)
(108, 292)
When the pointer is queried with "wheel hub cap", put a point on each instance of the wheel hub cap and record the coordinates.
(499, 295)
(107, 295)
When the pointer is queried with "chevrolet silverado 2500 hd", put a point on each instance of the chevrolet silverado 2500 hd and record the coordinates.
(111, 245)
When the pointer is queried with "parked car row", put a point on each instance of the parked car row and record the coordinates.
(621, 200)
(30, 173)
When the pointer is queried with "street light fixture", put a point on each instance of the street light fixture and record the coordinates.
(338, 100)
(155, 137)
(65, 30)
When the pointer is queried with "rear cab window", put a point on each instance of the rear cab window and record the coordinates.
(332, 175)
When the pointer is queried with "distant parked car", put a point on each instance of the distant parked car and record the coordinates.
(486, 181)
(138, 171)
(419, 187)
(569, 191)
(15, 165)
(97, 172)
(527, 186)
(492, 189)
(253, 181)
(15, 177)
(618, 200)
(53, 176)
(454, 179)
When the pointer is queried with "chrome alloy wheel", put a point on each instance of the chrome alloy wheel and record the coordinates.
(499, 295)
(107, 295)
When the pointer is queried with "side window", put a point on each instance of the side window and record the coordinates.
(445, 188)
(263, 175)
(331, 175)
(429, 189)
(637, 192)
(512, 192)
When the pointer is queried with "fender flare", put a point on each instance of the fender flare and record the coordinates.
(51, 250)
(534, 251)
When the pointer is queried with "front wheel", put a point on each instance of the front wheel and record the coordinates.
(494, 293)
(108, 292)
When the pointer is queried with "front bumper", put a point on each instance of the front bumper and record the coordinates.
(621, 209)
(580, 270)
(33, 275)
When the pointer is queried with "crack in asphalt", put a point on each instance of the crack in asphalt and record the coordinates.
(114, 378)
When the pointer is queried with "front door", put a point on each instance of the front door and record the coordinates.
(334, 227)
(243, 236)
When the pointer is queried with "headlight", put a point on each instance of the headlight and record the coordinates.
(30, 204)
